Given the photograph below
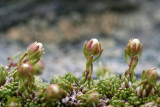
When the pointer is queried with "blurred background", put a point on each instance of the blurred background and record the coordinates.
(64, 25)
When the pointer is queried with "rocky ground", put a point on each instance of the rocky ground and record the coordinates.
(63, 40)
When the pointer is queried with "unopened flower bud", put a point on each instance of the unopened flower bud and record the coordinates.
(39, 67)
(123, 85)
(53, 91)
(144, 93)
(134, 48)
(26, 70)
(152, 91)
(93, 97)
(150, 75)
(3, 74)
(35, 48)
(138, 91)
(130, 84)
(93, 47)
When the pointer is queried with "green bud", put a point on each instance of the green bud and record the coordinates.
(54, 91)
(93, 97)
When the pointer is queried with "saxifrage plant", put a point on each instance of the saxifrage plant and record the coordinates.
(20, 87)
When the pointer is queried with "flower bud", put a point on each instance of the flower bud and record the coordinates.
(134, 48)
(3, 74)
(123, 85)
(150, 75)
(39, 67)
(54, 91)
(93, 47)
(93, 97)
(144, 93)
(35, 48)
(26, 70)
(138, 91)
(152, 91)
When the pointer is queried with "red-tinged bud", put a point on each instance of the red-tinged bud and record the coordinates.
(134, 48)
(93, 97)
(35, 48)
(39, 67)
(150, 75)
(26, 70)
(93, 47)
(54, 91)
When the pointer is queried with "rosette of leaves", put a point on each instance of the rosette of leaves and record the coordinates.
(103, 73)
(149, 98)
(40, 84)
(148, 84)
(90, 98)
(107, 83)
(137, 101)
(7, 90)
(108, 88)
(123, 94)
(50, 96)
(134, 99)
(13, 102)
(115, 102)
(71, 78)
(65, 82)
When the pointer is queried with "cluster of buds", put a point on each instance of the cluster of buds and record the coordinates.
(3, 75)
(91, 49)
(29, 59)
(147, 85)
(54, 91)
